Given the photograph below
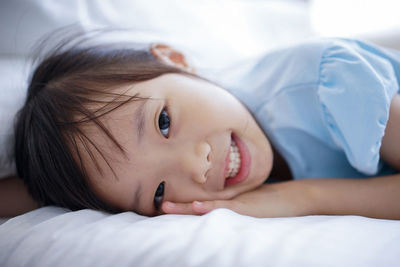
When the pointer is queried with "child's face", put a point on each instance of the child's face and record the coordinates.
(189, 155)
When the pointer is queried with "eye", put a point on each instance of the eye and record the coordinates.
(163, 123)
(159, 196)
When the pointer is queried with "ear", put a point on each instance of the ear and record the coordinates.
(170, 56)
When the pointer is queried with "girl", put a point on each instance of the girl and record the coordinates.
(116, 128)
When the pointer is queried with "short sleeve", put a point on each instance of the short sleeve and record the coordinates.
(356, 84)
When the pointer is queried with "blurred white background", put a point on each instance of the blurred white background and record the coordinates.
(375, 20)
(216, 33)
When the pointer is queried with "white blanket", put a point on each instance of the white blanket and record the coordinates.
(55, 237)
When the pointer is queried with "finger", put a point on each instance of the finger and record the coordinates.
(202, 207)
(177, 208)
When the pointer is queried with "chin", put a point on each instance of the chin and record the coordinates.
(262, 177)
(263, 168)
(259, 176)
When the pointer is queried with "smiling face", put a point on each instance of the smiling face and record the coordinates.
(178, 146)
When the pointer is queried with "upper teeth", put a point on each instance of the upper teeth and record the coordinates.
(234, 160)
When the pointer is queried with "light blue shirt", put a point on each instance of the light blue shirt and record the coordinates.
(324, 105)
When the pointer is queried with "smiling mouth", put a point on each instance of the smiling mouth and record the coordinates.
(237, 162)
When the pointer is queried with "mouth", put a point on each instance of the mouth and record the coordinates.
(237, 162)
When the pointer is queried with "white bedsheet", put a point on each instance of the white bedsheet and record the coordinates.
(53, 236)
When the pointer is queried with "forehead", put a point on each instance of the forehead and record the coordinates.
(95, 145)
(101, 157)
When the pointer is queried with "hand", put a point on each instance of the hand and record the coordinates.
(292, 198)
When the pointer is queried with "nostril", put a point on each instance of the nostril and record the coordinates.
(209, 153)
(206, 176)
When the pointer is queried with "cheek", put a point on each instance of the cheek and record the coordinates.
(179, 192)
(264, 161)
(182, 190)
(219, 106)
(261, 151)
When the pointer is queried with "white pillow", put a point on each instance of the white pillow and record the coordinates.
(57, 237)
(13, 76)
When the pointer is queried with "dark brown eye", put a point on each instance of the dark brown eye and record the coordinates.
(159, 196)
(163, 123)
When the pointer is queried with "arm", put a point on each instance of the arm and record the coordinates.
(14, 198)
(390, 149)
(377, 197)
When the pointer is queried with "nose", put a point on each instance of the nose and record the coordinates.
(196, 161)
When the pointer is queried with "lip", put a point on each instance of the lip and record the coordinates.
(245, 161)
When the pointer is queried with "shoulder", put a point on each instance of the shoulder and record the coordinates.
(307, 61)
(315, 49)
(336, 50)
(357, 81)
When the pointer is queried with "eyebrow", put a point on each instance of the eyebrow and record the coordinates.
(140, 120)
(140, 124)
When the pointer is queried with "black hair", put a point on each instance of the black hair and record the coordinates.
(71, 86)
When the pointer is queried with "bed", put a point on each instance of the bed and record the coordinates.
(53, 236)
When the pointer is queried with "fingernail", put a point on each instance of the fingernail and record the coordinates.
(169, 204)
(198, 203)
